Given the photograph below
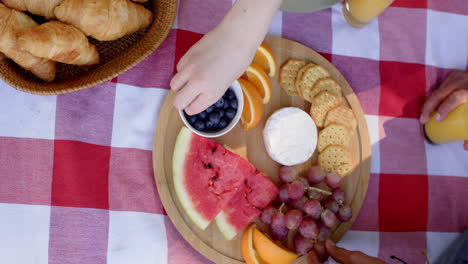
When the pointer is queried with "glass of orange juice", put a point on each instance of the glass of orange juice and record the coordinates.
(453, 128)
(358, 13)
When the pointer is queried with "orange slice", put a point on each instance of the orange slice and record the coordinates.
(265, 58)
(253, 108)
(271, 252)
(248, 251)
(256, 75)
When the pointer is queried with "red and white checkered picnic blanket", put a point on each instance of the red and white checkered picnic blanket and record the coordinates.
(76, 177)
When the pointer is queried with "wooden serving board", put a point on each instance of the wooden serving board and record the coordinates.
(210, 242)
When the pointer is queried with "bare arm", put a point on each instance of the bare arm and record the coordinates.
(222, 55)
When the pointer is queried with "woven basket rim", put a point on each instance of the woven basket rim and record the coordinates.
(165, 18)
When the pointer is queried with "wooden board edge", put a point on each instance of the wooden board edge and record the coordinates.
(366, 155)
(170, 204)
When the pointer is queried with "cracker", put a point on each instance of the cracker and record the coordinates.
(333, 134)
(321, 104)
(336, 158)
(288, 73)
(299, 77)
(309, 78)
(326, 84)
(341, 115)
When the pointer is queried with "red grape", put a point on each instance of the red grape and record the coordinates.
(321, 252)
(314, 194)
(313, 208)
(277, 226)
(332, 206)
(302, 244)
(277, 220)
(279, 233)
(324, 233)
(315, 175)
(284, 194)
(304, 181)
(293, 218)
(339, 195)
(328, 218)
(299, 203)
(333, 180)
(345, 213)
(287, 174)
(267, 214)
(296, 190)
(308, 228)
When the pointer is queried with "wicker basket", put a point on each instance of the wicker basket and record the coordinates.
(116, 57)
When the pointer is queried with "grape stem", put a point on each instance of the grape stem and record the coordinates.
(281, 208)
(318, 190)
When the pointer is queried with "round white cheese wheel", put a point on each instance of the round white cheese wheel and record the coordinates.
(290, 136)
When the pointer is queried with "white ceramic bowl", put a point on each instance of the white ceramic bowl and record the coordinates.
(237, 89)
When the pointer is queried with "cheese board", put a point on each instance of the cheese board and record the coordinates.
(249, 144)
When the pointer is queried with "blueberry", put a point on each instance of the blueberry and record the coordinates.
(214, 118)
(192, 119)
(226, 104)
(209, 125)
(221, 113)
(202, 115)
(233, 103)
(199, 125)
(230, 113)
(230, 94)
(219, 103)
(210, 109)
(223, 123)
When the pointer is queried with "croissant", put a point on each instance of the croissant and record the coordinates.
(38, 7)
(104, 19)
(13, 22)
(59, 42)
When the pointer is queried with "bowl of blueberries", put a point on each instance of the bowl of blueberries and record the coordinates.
(219, 118)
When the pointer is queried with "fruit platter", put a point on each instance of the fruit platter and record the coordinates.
(289, 170)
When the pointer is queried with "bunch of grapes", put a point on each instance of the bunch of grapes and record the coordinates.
(307, 210)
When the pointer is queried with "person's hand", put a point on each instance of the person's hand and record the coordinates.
(451, 93)
(207, 70)
(344, 256)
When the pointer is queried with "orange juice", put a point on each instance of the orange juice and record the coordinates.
(453, 128)
(360, 12)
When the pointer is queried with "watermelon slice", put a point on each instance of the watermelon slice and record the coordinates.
(206, 176)
(258, 191)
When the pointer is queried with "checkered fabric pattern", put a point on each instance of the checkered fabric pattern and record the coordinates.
(76, 178)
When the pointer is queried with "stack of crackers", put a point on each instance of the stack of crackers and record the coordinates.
(329, 111)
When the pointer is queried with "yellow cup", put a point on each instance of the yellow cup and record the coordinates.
(358, 13)
(451, 129)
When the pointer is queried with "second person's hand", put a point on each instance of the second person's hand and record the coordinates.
(344, 256)
(449, 95)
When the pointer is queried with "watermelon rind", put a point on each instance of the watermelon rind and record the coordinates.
(181, 149)
(228, 230)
